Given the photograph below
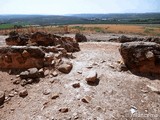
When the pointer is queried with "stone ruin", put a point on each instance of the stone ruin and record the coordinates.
(124, 39)
(37, 50)
(141, 57)
(140, 54)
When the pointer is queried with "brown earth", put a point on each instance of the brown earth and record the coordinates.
(116, 96)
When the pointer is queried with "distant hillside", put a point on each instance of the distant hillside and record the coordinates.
(39, 19)
(133, 18)
(120, 16)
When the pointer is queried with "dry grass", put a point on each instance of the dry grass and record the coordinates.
(152, 30)
(126, 29)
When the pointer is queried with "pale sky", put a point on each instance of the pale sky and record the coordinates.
(60, 7)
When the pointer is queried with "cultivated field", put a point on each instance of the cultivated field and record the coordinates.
(149, 30)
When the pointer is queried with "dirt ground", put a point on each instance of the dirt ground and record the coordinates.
(119, 95)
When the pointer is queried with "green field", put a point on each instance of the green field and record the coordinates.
(6, 26)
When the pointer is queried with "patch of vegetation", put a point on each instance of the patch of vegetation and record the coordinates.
(80, 28)
(11, 26)
(6, 26)
(96, 29)
(148, 30)
(158, 34)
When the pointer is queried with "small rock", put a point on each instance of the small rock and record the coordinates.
(65, 68)
(31, 73)
(46, 73)
(76, 85)
(92, 76)
(2, 97)
(63, 110)
(149, 55)
(86, 99)
(54, 95)
(12, 109)
(7, 99)
(23, 82)
(11, 95)
(54, 74)
(16, 81)
(46, 92)
(154, 88)
(103, 61)
(30, 81)
(79, 72)
(98, 108)
(133, 110)
(23, 93)
(24, 74)
(75, 116)
(53, 62)
(89, 67)
(54, 80)
(123, 67)
(41, 72)
(17, 76)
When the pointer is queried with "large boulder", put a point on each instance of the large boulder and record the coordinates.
(80, 37)
(143, 57)
(21, 57)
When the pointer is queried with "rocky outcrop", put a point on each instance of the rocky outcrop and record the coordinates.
(80, 37)
(124, 39)
(43, 39)
(37, 50)
(21, 57)
(143, 57)
(16, 39)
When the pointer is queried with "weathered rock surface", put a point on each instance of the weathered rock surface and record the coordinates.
(2, 97)
(143, 57)
(43, 39)
(124, 39)
(21, 57)
(80, 37)
(16, 39)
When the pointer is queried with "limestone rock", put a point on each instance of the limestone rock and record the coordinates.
(143, 57)
(92, 76)
(65, 68)
(11, 57)
(23, 93)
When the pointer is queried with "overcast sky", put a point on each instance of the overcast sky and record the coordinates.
(60, 7)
